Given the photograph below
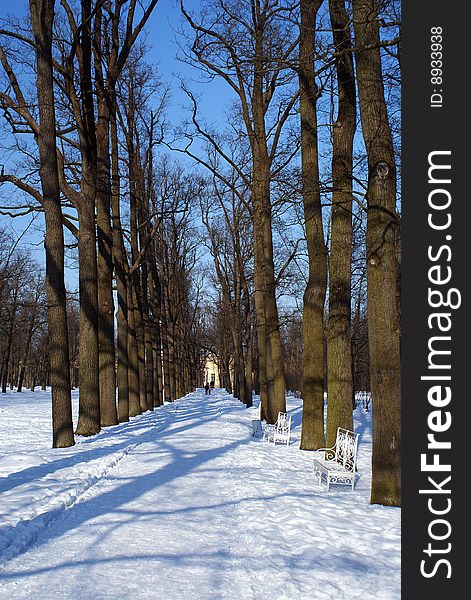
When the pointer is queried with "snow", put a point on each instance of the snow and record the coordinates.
(184, 503)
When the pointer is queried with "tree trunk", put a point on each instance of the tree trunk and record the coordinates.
(24, 358)
(312, 436)
(133, 358)
(136, 275)
(249, 372)
(263, 248)
(141, 350)
(120, 264)
(261, 330)
(156, 302)
(105, 271)
(158, 374)
(165, 355)
(89, 405)
(339, 346)
(381, 247)
(8, 350)
(171, 359)
(149, 365)
(42, 16)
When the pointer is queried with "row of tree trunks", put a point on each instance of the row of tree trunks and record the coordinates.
(382, 244)
(231, 255)
(77, 165)
(220, 46)
(156, 355)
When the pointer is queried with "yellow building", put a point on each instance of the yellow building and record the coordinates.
(211, 371)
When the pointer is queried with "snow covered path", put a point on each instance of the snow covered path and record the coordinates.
(183, 503)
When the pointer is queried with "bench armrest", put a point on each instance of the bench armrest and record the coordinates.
(326, 449)
(329, 453)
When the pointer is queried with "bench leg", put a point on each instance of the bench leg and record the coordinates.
(328, 481)
(318, 475)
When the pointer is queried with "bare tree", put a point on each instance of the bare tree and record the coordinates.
(42, 17)
(228, 231)
(250, 46)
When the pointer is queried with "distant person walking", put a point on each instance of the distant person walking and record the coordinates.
(211, 385)
(207, 389)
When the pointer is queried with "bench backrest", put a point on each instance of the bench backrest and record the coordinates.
(346, 446)
(283, 423)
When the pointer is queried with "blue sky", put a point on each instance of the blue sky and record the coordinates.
(161, 34)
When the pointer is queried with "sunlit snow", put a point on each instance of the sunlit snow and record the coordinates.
(184, 503)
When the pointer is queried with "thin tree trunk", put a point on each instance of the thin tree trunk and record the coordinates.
(133, 358)
(158, 375)
(249, 372)
(171, 359)
(149, 367)
(155, 286)
(166, 366)
(24, 358)
(136, 275)
(8, 351)
(120, 264)
(141, 350)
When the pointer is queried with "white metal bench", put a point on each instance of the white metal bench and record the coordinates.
(339, 462)
(280, 431)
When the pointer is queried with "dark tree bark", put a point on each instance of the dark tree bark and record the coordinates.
(27, 346)
(261, 329)
(382, 265)
(339, 346)
(115, 38)
(263, 253)
(6, 366)
(312, 436)
(120, 267)
(133, 356)
(82, 102)
(42, 16)
(106, 339)
(165, 355)
(89, 406)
